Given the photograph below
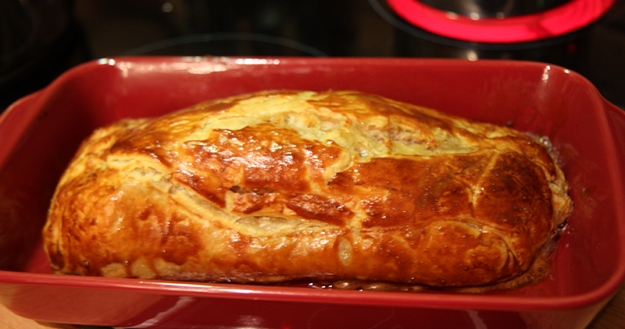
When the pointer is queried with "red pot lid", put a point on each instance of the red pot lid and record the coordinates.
(550, 23)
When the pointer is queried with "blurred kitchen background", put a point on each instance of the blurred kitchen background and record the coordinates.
(40, 39)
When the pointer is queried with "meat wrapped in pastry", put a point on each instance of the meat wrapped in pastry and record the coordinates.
(285, 186)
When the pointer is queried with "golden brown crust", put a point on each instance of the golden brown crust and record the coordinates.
(283, 186)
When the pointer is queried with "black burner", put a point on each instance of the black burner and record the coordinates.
(227, 44)
(412, 41)
(38, 41)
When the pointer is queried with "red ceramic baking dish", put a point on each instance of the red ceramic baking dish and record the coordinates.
(39, 134)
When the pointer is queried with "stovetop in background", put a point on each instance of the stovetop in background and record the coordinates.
(356, 28)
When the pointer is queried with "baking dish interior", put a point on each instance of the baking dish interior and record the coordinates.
(44, 130)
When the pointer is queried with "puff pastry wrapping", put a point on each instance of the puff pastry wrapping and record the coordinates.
(284, 186)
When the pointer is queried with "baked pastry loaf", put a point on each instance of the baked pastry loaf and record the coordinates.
(282, 186)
